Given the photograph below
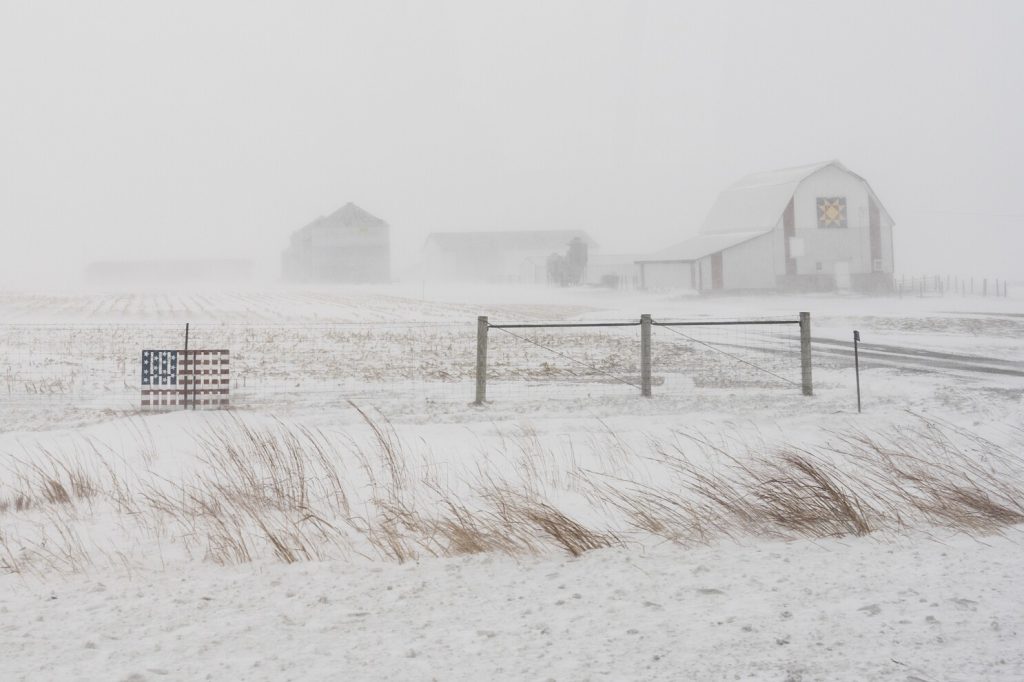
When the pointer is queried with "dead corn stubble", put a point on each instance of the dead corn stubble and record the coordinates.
(297, 494)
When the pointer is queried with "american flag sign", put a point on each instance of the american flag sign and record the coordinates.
(180, 379)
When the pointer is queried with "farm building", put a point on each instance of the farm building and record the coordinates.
(499, 257)
(613, 271)
(349, 245)
(811, 228)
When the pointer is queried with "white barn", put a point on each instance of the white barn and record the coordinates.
(811, 228)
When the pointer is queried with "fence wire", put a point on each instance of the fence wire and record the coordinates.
(64, 374)
(538, 362)
(56, 375)
(551, 363)
(729, 357)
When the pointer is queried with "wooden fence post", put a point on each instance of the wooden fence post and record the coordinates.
(481, 360)
(645, 356)
(805, 353)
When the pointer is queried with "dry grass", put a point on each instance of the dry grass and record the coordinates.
(285, 492)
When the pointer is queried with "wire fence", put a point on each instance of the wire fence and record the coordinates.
(557, 360)
(53, 375)
(762, 354)
(950, 285)
(546, 362)
(71, 373)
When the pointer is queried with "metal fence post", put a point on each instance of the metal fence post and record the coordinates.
(481, 360)
(184, 373)
(856, 364)
(805, 353)
(645, 356)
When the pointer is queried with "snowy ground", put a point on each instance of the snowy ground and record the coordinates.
(862, 609)
(110, 585)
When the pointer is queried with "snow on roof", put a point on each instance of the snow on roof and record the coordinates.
(700, 246)
(756, 202)
(747, 209)
(530, 240)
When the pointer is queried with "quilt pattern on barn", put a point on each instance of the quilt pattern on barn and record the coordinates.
(831, 211)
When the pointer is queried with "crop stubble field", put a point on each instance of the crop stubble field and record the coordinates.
(352, 445)
(413, 360)
(346, 400)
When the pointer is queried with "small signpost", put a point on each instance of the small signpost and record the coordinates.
(174, 380)
(179, 379)
(856, 365)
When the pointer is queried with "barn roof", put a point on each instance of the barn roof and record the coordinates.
(756, 202)
(700, 246)
(526, 240)
(747, 209)
(348, 215)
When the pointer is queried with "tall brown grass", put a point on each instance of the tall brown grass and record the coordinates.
(296, 494)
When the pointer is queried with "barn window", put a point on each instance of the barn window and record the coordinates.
(831, 211)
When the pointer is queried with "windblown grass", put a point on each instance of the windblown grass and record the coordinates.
(285, 492)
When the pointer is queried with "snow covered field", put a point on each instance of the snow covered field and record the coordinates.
(356, 518)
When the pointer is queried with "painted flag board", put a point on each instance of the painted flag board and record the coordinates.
(175, 379)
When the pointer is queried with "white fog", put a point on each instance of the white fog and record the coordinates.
(563, 340)
(140, 132)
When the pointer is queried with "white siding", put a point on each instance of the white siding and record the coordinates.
(749, 265)
(440, 264)
(667, 275)
(704, 273)
(524, 267)
(826, 246)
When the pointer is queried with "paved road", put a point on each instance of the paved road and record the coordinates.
(882, 355)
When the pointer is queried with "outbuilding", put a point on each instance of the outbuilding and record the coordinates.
(349, 245)
(520, 256)
(811, 228)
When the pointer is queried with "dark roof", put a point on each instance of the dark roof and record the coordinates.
(348, 215)
(530, 240)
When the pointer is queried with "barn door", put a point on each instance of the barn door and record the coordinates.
(716, 271)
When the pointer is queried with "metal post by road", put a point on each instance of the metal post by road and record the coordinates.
(645, 356)
(184, 373)
(481, 360)
(856, 365)
(805, 353)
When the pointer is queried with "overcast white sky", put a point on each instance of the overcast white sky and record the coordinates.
(145, 129)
